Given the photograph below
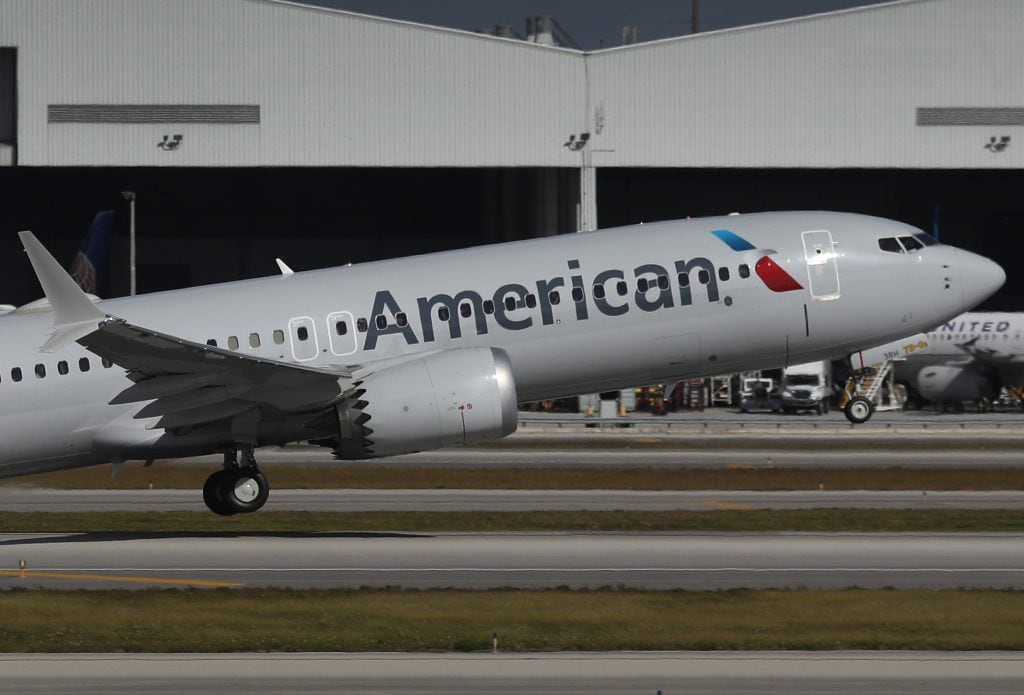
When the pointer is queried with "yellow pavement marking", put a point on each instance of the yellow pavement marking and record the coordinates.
(736, 506)
(115, 578)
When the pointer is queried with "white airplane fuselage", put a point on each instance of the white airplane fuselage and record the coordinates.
(574, 313)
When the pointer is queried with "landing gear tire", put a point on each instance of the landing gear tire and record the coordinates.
(212, 493)
(859, 410)
(244, 490)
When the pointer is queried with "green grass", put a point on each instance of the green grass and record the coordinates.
(811, 520)
(394, 620)
(368, 476)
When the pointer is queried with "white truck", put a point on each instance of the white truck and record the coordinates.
(806, 387)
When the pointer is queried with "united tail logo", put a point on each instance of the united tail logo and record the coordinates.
(770, 272)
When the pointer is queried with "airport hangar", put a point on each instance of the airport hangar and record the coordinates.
(250, 129)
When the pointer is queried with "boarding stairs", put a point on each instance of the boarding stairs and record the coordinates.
(877, 384)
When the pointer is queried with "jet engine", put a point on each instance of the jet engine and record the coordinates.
(942, 384)
(443, 399)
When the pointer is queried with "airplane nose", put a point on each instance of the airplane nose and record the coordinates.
(979, 278)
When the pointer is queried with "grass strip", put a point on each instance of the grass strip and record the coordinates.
(549, 620)
(805, 520)
(170, 477)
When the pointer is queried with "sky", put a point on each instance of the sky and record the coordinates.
(593, 23)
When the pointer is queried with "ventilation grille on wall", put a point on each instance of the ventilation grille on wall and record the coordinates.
(153, 113)
(970, 116)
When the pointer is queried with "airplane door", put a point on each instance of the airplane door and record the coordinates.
(303, 336)
(821, 264)
(341, 328)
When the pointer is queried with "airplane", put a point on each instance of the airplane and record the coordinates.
(398, 356)
(968, 358)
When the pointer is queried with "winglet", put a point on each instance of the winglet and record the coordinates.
(285, 270)
(74, 314)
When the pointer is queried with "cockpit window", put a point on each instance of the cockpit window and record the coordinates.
(911, 243)
(890, 244)
(925, 239)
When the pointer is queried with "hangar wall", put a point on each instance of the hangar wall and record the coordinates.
(271, 83)
(844, 89)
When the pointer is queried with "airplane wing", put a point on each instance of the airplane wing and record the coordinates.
(189, 383)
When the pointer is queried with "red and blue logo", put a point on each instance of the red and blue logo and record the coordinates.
(770, 272)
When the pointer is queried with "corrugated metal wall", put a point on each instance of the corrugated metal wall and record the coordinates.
(838, 90)
(336, 89)
(332, 88)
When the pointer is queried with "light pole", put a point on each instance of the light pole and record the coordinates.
(130, 197)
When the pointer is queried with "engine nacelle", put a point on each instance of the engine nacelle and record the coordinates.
(942, 383)
(448, 398)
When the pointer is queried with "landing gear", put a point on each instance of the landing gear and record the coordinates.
(859, 410)
(238, 488)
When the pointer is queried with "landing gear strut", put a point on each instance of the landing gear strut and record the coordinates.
(239, 488)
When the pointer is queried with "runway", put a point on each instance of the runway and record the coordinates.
(708, 452)
(648, 561)
(14, 499)
(895, 673)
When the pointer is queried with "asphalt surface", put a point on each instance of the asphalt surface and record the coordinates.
(825, 453)
(649, 561)
(47, 500)
(895, 673)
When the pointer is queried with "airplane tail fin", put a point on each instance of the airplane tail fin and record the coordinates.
(91, 259)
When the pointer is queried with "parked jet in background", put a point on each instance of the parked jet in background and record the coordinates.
(969, 358)
(418, 353)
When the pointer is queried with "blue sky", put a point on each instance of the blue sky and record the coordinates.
(593, 23)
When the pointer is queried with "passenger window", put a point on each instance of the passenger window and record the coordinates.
(599, 291)
(211, 342)
(554, 297)
(233, 341)
(488, 306)
(362, 325)
(911, 243)
(40, 371)
(684, 279)
(622, 288)
(62, 367)
(510, 303)
(302, 333)
(83, 364)
(744, 270)
(279, 337)
(890, 245)
(443, 313)
(704, 277)
(663, 282)
(531, 300)
(401, 319)
(577, 294)
(341, 328)
(254, 340)
(16, 374)
(107, 364)
(466, 310)
(642, 285)
(381, 321)
(723, 274)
